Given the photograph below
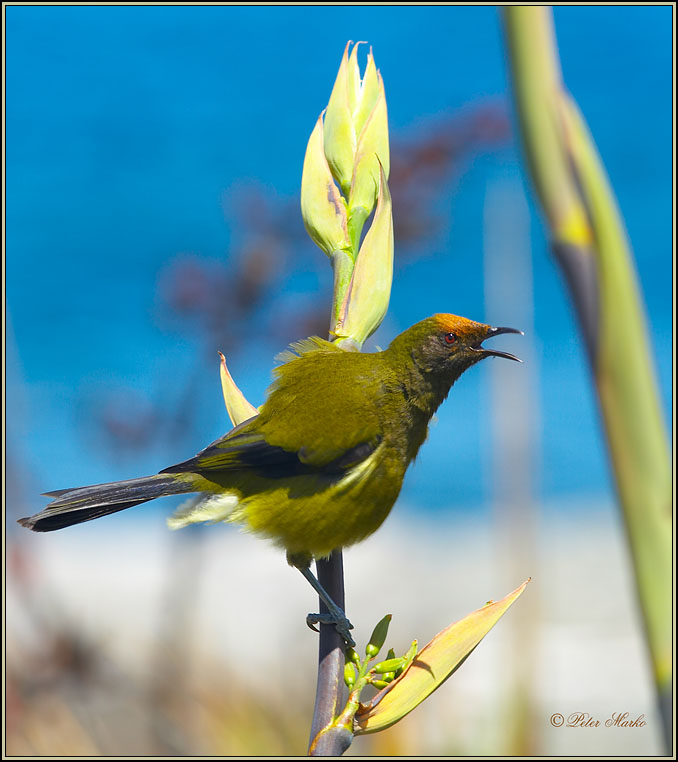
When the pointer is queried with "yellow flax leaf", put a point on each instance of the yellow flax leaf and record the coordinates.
(432, 666)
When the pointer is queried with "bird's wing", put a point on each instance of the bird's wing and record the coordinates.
(249, 449)
(324, 405)
(327, 426)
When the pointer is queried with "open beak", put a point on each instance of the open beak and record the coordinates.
(495, 352)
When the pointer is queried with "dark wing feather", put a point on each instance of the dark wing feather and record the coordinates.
(249, 450)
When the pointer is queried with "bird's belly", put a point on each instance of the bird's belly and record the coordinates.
(316, 515)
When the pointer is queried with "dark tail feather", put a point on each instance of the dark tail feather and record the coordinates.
(57, 492)
(42, 522)
(73, 506)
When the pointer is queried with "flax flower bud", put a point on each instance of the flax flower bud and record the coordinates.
(350, 146)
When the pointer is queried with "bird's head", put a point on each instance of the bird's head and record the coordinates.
(446, 345)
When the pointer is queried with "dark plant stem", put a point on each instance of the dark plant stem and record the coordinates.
(331, 690)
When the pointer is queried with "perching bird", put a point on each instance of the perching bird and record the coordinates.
(322, 464)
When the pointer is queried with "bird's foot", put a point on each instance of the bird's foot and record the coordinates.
(338, 619)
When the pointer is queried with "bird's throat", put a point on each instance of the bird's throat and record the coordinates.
(424, 389)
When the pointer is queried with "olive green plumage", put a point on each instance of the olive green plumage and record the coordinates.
(322, 464)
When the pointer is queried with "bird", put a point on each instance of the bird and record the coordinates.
(322, 463)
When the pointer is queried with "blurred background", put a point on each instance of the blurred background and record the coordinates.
(153, 169)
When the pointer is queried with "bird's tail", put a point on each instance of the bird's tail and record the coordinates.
(73, 506)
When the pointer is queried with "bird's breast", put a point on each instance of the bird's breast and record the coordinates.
(317, 517)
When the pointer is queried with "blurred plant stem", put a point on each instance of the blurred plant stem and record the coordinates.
(589, 242)
(515, 417)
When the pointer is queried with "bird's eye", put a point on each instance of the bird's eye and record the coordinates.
(450, 338)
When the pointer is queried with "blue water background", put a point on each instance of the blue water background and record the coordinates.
(127, 125)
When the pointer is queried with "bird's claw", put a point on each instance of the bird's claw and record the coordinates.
(341, 625)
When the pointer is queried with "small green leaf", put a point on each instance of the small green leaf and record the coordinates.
(342, 264)
(370, 289)
(378, 637)
(368, 92)
(357, 217)
(322, 206)
(390, 665)
(353, 78)
(431, 667)
(371, 151)
(352, 656)
(349, 674)
(380, 683)
(339, 141)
